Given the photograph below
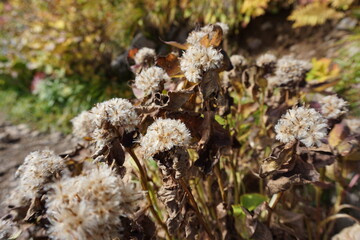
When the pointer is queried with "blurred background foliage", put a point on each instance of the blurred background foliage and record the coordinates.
(56, 55)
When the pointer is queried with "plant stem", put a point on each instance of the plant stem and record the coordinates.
(144, 184)
(196, 208)
(220, 182)
(272, 204)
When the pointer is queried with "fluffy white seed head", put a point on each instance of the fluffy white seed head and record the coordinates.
(83, 124)
(195, 36)
(238, 61)
(117, 112)
(354, 125)
(163, 135)
(149, 79)
(197, 59)
(303, 124)
(332, 107)
(88, 206)
(266, 60)
(289, 70)
(143, 54)
(224, 27)
(38, 166)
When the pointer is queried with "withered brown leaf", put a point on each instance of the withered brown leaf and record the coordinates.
(170, 64)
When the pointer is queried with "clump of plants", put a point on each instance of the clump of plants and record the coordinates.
(212, 147)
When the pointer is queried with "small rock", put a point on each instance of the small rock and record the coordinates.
(347, 23)
(266, 26)
(35, 134)
(5, 137)
(253, 43)
(23, 129)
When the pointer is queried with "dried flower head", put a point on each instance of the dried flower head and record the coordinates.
(83, 124)
(117, 112)
(238, 61)
(163, 135)
(303, 124)
(354, 125)
(38, 166)
(332, 107)
(197, 59)
(143, 54)
(149, 79)
(224, 27)
(289, 70)
(196, 35)
(266, 60)
(88, 206)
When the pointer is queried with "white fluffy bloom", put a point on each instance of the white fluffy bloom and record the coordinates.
(301, 123)
(197, 59)
(149, 79)
(117, 112)
(143, 54)
(265, 60)
(224, 27)
(38, 166)
(195, 37)
(354, 125)
(332, 107)
(163, 135)
(83, 124)
(88, 206)
(238, 60)
(290, 70)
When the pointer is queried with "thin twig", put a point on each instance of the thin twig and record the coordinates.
(193, 202)
(220, 182)
(144, 184)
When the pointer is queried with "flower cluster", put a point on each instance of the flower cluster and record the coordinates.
(197, 59)
(238, 61)
(332, 107)
(117, 112)
(149, 80)
(163, 135)
(89, 206)
(289, 70)
(266, 60)
(303, 124)
(143, 55)
(195, 36)
(38, 166)
(83, 125)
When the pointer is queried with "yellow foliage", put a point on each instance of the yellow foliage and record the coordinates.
(322, 70)
(313, 14)
(341, 4)
(254, 8)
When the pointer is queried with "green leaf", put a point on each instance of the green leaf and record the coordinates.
(220, 120)
(237, 210)
(249, 201)
(252, 200)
